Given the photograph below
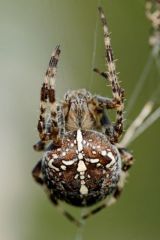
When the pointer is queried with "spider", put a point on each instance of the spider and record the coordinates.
(82, 162)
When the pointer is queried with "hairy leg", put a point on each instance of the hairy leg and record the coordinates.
(127, 161)
(102, 74)
(63, 211)
(117, 91)
(53, 107)
(48, 127)
(36, 173)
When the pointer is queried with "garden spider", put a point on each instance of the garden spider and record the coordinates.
(82, 162)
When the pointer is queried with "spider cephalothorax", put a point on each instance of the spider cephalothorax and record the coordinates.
(82, 163)
(79, 110)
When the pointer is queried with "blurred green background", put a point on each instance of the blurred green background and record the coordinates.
(29, 30)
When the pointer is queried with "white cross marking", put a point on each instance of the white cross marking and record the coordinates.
(79, 140)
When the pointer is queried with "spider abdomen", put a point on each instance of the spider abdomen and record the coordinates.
(84, 170)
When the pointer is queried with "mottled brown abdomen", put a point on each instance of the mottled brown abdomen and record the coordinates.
(84, 170)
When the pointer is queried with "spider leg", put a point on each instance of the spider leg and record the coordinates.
(108, 103)
(48, 129)
(39, 146)
(36, 172)
(43, 107)
(56, 114)
(117, 91)
(63, 211)
(102, 74)
(127, 161)
(127, 158)
(42, 146)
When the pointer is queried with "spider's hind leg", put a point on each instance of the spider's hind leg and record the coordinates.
(63, 211)
(36, 173)
(127, 161)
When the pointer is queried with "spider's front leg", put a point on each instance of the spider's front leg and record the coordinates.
(49, 128)
(118, 93)
(127, 161)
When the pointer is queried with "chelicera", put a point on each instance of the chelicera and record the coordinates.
(82, 162)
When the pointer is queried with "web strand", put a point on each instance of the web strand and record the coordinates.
(94, 47)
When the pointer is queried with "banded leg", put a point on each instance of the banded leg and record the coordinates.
(117, 91)
(51, 73)
(43, 108)
(36, 173)
(127, 161)
(42, 146)
(102, 74)
(108, 103)
(63, 211)
(48, 130)
(39, 146)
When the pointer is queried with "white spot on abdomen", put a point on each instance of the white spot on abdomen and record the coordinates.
(81, 166)
(95, 160)
(110, 155)
(63, 167)
(104, 153)
(80, 156)
(69, 162)
(79, 140)
(84, 190)
(55, 156)
(50, 164)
